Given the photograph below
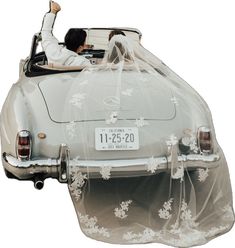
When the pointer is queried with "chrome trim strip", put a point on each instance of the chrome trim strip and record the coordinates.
(199, 157)
(138, 167)
(59, 168)
(142, 161)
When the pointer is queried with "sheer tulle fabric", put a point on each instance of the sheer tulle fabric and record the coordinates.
(187, 204)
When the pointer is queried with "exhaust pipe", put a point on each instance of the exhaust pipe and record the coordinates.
(38, 183)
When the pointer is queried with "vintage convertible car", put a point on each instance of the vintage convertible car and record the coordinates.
(128, 136)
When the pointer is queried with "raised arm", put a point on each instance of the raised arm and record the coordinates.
(49, 43)
(55, 53)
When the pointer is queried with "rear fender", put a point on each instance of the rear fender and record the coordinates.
(14, 117)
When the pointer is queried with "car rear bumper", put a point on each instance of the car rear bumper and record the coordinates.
(59, 168)
(140, 167)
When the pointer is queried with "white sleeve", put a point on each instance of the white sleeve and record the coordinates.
(55, 53)
(50, 44)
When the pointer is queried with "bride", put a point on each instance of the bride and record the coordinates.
(127, 52)
(120, 49)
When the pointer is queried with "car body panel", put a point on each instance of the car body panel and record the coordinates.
(151, 99)
(41, 104)
(36, 118)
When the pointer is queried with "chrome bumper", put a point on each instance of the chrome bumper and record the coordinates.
(139, 167)
(59, 168)
(39, 169)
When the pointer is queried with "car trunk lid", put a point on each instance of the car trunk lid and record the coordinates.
(94, 96)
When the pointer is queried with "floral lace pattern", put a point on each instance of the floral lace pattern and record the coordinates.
(181, 228)
(106, 172)
(186, 213)
(202, 174)
(124, 207)
(77, 100)
(77, 182)
(70, 129)
(112, 119)
(193, 144)
(175, 100)
(146, 236)
(141, 122)
(216, 230)
(164, 213)
(179, 174)
(139, 130)
(91, 227)
(186, 239)
(192, 140)
(184, 233)
(152, 165)
(127, 92)
(172, 140)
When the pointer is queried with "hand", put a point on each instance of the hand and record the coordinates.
(86, 46)
(55, 7)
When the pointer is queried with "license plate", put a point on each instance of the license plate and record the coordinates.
(114, 139)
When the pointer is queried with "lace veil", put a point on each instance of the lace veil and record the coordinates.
(172, 187)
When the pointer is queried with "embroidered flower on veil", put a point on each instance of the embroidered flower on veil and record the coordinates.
(124, 207)
(175, 100)
(77, 182)
(186, 212)
(70, 129)
(106, 172)
(141, 122)
(202, 174)
(147, 235)
(127, 92)
(179, 174)
(153, 164)
(77, 100)
(172, 140)
(91, 227)
(164, 213)
(112, 118)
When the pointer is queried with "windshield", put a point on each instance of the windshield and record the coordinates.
(99, 37)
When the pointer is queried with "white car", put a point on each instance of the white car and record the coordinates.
(115, 121)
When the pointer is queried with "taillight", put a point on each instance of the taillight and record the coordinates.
(205, 140)
(23, 145)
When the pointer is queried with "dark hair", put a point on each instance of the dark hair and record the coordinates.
(115, 32)
(75, 38)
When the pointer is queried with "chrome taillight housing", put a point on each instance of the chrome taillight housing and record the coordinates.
(23, 145)
(205, 140)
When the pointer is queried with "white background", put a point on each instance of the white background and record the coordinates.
(195, 38)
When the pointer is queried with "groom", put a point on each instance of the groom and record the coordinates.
(74, 42)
